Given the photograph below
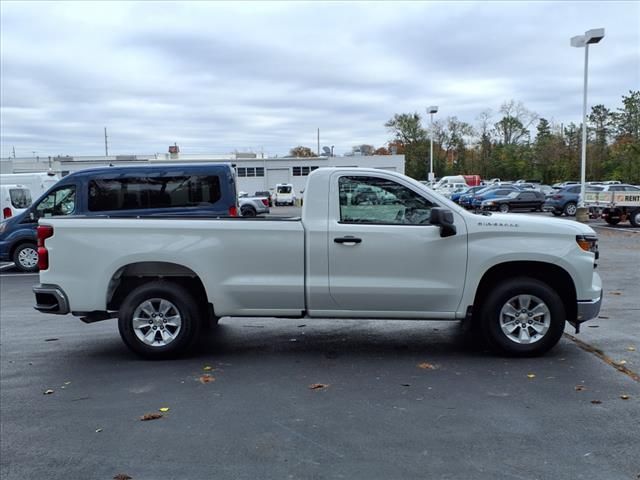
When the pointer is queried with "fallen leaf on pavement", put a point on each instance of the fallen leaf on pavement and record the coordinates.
(303, 325)
(596, 402)
(531, 375)
(580, 388)
(98, 430)
(206, 378)
(602, 316)
(47, 392)
(405, 384)
(631, 348)
(50, 339)
(318, 386)
(207, 368)
(426, 366)
(150, 416)
(122, 476)
(615, 293)
(164, 409)
(624, 397)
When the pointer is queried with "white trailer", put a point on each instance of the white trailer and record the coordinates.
(615, 207)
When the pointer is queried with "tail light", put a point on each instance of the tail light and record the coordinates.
(233, 211)
(44, 232)
(6, 212)
(265, 202)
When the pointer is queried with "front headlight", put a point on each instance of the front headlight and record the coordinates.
(489, 203)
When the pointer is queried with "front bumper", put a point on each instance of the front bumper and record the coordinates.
(50, 299)
(589, 309)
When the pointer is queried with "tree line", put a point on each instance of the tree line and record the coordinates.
(518, 143)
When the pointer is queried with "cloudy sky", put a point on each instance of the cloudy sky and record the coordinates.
(217, 77)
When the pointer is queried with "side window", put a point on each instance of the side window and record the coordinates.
(153, 192)
(374, 200)
(58, 202)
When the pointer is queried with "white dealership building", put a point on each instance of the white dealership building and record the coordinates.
(254, 173)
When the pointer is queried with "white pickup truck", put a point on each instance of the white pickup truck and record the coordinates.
(409, 253)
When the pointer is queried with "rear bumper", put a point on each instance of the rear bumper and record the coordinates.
(50, 299)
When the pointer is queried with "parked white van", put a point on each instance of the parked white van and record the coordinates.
(448, 180)
(14, 199)
(37, 183)
(285, 195)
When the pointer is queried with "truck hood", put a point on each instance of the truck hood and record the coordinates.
(509, 222)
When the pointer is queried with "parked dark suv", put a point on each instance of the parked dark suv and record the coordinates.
(202, 190)
(565, 200)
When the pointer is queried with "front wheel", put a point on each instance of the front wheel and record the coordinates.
(159, 319)
(25, 258)
(522, 317)
(504, 207)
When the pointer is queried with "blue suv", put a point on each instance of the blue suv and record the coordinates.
(198, 190)
(565, 200)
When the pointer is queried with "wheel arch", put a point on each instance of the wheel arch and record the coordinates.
(131, 276)
(556, 277)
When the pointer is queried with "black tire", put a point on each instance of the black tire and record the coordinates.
(499, 298)
(23, 257)
(570, 209)
(634, 217)
(503, 208)
(612, 221)
(248, 211)
(183, 303)
(556, 213)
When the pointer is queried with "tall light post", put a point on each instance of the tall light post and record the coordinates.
(583, 41)
(431, 110)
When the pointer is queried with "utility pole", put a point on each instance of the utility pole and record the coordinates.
(13, 147)
(106, 146)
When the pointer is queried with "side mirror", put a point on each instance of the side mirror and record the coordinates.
(443, 218)
(32, 216)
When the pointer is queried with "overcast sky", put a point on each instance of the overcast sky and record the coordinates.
(217, 77)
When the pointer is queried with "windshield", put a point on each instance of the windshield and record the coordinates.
(284, 189)
(20, 197)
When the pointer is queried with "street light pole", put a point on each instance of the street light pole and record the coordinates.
(580, 41)
(583, 160)
(433, 109)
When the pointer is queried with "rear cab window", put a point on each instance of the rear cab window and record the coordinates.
(20, 197)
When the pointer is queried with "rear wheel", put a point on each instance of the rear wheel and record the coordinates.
(522, 317)
(634, 218)
(612, 221)
(159, 320)
(248, 211)
(25, 257)
(504, 207)
(570, 209)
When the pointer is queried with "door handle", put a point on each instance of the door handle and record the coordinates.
(348, 240)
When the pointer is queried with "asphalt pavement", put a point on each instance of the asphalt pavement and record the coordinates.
(322, 399)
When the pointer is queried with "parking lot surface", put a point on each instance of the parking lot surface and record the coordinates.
(262, 398)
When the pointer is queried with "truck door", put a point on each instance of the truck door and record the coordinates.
(384, 255)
